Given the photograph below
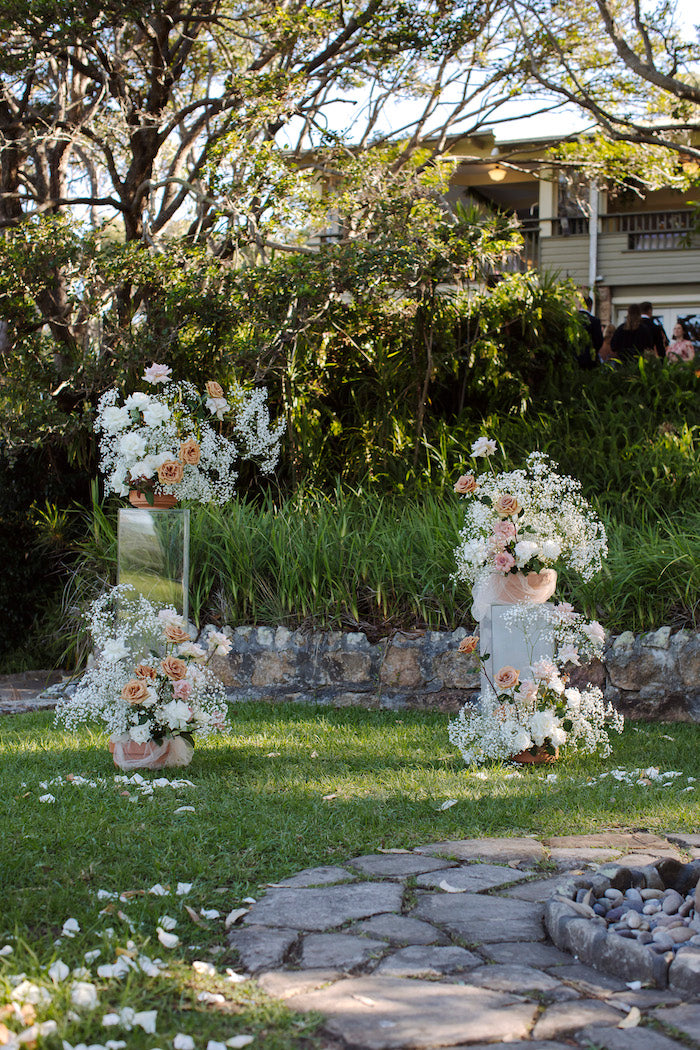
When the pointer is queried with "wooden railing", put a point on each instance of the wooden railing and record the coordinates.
(651, 231)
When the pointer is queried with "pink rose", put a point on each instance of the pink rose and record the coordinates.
(504, 531)
(182, 689)
(527, 690)
(465, 485)
(503, 561)
(507, 677)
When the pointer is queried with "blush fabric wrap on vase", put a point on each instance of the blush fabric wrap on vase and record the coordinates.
(128, 755)
(513, 588)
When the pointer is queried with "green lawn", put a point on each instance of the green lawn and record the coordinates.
(259, 815)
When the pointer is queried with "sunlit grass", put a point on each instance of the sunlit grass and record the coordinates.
(260, 814)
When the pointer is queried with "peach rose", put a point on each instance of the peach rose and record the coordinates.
(144, 671)
(469, 644)
(135, 691)
(465, 485)
(506, 678)
(171, 472)
(175, 634)
(190, 452)
(214, 389)
(507, 506)
(174, 668)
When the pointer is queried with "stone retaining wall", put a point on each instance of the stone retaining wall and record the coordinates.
(654, 676)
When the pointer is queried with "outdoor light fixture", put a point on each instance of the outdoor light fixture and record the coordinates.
(497, 173)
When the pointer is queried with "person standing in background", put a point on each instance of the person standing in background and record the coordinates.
(594, 330)
(632, 338)
(681, 349)
(660, 339)
(605, 354)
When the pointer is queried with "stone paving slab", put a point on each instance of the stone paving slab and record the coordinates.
(326, 875)
(389, 865)
(686, 1018)
(541, 956)
(324, 909)
(562, 1019)
(285, 984)
(480, 919)
(538, 891)
(400, 929)
(384, 1013)
(622, 841)
(428, 961)
(626, 1039)
(473, 877)
(260, 947)
(340, 951)
(591, 982)
(521, 850)
(514, 978)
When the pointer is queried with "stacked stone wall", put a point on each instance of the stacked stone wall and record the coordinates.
(654, 676)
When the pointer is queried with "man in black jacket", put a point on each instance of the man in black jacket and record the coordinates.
(660, 339)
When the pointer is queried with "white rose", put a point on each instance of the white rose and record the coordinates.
(542, 725)
(142, 468)
(132, 445)
(176, 713)
(521, 740)
(551, 550)
(557, 736)
(217, 406)
(524, 550)
(137, 401)
(155, 414)
(140, 734)
(115, 419)
(484, 446)
(114, 650)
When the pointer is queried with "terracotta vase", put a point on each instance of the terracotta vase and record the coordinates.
(540, 756)
(161, 501)
(128, 755)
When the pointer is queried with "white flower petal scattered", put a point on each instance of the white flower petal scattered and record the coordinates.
(205, 968)
(147, 1020)
(70, 928)
(211, 997)
(183, 1042)
(237, 1042)
(159, 891)
(210, 913)
(183, 888)
(167, 922)
(58, 971)
(47, 798)
(83, 995)
(28, 992)
(6, 949)
(168, 940)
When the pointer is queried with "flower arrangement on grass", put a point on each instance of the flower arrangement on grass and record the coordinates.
(183, 442)
(530, 708)
(140, 695)
(524, 521)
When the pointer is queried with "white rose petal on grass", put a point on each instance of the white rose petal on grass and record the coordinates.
(249, 900)
(167, 922)
(211, 997)
(146, 1019)
(183, 888)
(448, 888)
(237, 1042)
(70, 928)
(83, 995)
(183, 1042)
(206, 968)
(210, 913)
(47, 798)
(58, 971)
(235, 978)
(28, 992)
(159, 891)
(168, 940)
(94, 954)
(213, 1045)
(6, 949)
(111, 1020)
(449, 803)
(185, 809)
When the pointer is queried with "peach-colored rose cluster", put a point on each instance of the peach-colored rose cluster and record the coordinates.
(135, 691)
(175, 633)
(171, 472)
(174, 668)
(190, 452)
(469, 644)
(507, 506)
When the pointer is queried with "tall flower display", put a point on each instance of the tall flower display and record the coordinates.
(520, 526)
(179, 441)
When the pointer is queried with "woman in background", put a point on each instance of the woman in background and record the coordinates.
(680, 348)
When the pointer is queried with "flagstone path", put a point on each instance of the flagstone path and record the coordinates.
(444, 947)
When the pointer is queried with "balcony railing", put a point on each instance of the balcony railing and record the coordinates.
(570, 226)
(651, 231)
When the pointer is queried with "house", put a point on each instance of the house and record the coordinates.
(622, 246)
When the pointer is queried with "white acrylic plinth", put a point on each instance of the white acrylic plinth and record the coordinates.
(510, 644)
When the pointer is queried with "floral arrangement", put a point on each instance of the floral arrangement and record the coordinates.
(525, 709)
(138, 692)
(183, 442)
(525, 521)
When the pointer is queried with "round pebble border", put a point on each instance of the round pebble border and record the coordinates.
(637, 923)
